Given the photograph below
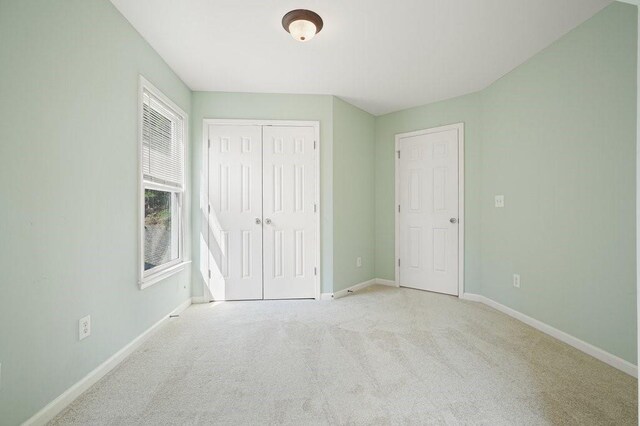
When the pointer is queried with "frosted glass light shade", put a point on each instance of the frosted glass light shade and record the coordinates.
(302, 24)
(302, 30)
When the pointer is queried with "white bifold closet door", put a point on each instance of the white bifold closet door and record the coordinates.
(235, 216)
(263, 218)
(289, 224)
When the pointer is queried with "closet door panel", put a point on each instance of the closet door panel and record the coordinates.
(235, 217)
(289, 197)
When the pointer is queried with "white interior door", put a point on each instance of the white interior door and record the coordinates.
(428, 211)
(235, 216)
(290, 212)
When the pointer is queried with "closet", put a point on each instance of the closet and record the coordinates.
(263, 210)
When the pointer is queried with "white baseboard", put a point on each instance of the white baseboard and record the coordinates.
(390, 283)
(200, 299)
(589, 349)
(359, 286)
(356, 287)
(474, 298)
(67, 397)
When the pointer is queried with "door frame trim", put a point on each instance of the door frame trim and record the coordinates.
(461, 222)
(204, 190)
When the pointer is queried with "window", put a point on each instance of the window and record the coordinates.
(162, 154)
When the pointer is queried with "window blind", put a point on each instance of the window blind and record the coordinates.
(162, 143)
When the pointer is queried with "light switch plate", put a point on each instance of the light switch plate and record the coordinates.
(499, 200)
(358, 262)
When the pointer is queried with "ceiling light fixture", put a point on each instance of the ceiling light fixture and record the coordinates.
(302, 24)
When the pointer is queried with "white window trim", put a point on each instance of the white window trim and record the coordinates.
(175, 266)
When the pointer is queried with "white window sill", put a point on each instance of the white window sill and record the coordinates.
(161, 275)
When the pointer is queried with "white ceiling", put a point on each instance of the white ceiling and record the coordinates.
(380, 55)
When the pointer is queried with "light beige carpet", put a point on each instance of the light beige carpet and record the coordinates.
(380, 356)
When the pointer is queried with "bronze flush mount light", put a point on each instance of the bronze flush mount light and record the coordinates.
(302, 24)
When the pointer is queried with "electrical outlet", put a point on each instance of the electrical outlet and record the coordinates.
(499, 201)
(84, 327)
(358, 262)
(516, 280)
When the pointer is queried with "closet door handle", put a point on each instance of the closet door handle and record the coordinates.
(267, 221)
(258, 221)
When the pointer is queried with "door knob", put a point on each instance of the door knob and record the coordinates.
(453, 220)
(258, 221)
(267, 221)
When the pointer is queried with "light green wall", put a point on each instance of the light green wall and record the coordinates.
(559, 143)
(267, 107)
(353, 195)
(68, 199)
(556, 137)
(466, 109)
